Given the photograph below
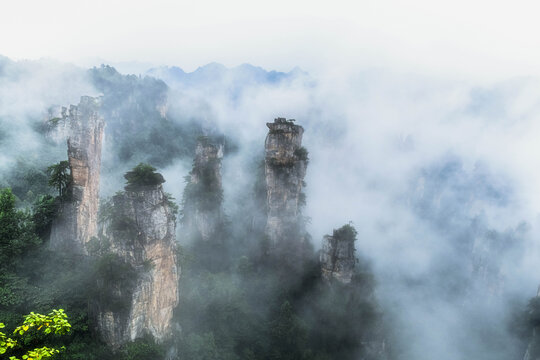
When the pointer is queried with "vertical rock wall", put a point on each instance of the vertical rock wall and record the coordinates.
(140, 234)
(533, 352)
(203, 195)
(337, 259)
(352, 282)
(77, 221)
(285, 168)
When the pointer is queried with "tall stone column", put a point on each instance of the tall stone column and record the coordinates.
(337, 258)
(285, 168)
(138, 279)
(203, 196)
(76, 223)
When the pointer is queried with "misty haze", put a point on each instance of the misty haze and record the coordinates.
(368, 191)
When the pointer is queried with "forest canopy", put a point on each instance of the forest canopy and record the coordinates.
(142, 175)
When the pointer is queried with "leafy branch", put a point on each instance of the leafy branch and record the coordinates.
(55, 322)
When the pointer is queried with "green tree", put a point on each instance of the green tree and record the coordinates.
(43, 212)
(16, 229)
(55, 322)
(302, 154)
(199, 347)
(288, 334)
(345, 233)
(142, 349)
(59, 176)
(142, 175)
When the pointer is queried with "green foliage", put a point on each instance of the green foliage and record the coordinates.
(142, 349)
(345, 233)
(60, 177)
(115, 280)
(124, 224)
(44, 211)
(138, 131)
(124, 227)
(173, 206)
(340, 315)
(142, 175)
(98, 246)
(199, 347)
(46, 279)
(257, 308)
(28, 180)
(9, 226)
(16, 230)
(106, 209)
(215, 318)
(302, 154)
(205, 194)
(203, 191)
(237, 302)
(55, 322)
(288, 335)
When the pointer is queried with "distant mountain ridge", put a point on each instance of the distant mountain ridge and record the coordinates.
(246, 74)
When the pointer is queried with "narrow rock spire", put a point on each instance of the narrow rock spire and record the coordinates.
(285, 168)
(137, 273)
(203, 196)
(337, 255)
(77, 220)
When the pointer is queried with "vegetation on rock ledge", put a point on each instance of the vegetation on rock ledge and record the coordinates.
(142, 175)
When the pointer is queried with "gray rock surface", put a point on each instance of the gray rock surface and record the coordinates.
(203, 213)
(77, 220)
(337, 259)
(141, 233)
(285, 169)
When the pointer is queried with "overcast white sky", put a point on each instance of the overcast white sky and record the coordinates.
(467, 38)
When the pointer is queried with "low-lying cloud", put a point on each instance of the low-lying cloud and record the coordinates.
(438, 176)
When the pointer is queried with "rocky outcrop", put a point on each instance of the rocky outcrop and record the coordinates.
(203, 196)
(138, 280)
(351, 279)
(533, 349)
(337, 258)
(285, 168)
(77, 220)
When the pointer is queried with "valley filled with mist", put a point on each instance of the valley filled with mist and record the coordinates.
(240, 213)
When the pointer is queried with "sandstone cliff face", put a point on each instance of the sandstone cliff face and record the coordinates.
(203, 195)
(285, 168)
(77, 221)
(337, 259)
(140, 231)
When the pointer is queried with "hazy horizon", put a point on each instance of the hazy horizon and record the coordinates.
(487, 40)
